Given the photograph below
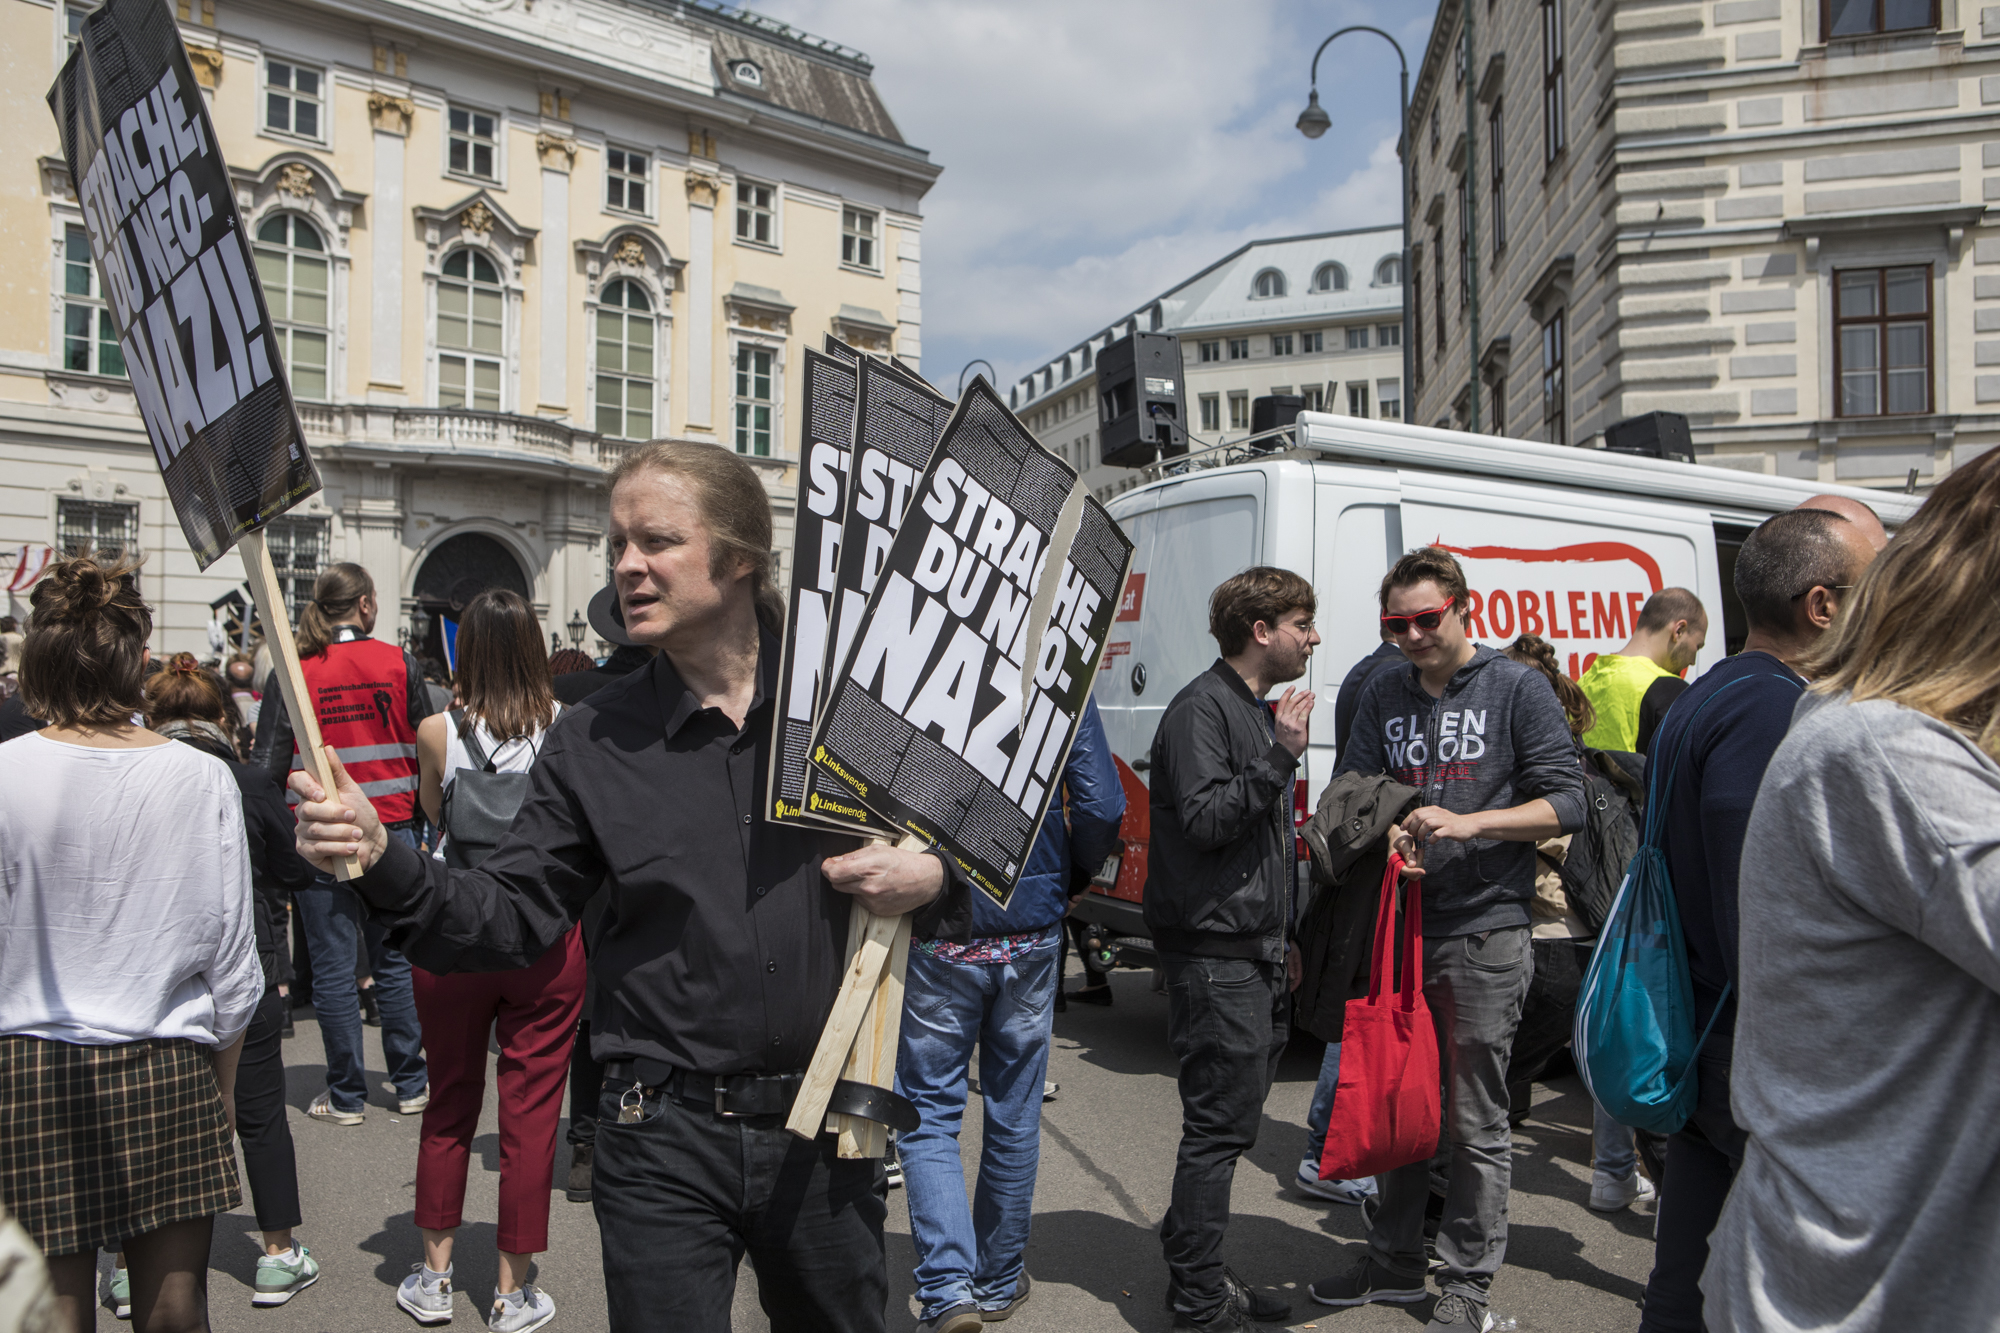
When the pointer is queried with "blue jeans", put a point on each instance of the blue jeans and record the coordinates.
(336, 922)
(1612, 1150)
(973, 1252)
(1321, 1110)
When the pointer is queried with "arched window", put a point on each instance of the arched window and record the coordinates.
(625, 361)
(1330, 278)
(1389, 273)
(291, 262)
(1269, 283)
(470, 303)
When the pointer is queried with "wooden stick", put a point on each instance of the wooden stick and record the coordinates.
(263, 579)
(873, 1059)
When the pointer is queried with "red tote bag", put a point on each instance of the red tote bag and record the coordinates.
(1385, 1111)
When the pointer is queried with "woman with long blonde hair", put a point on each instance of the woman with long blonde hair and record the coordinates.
(1869, 958)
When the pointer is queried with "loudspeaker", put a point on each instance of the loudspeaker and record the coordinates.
(1138, 383)
(1654, 435)
(1274, 410)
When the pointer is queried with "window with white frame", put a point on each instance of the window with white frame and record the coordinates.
(1281, 344)
(472, 144)
(1389, 272)
(1357, 338)
(1269, 283)
(1211, 350)
(1882, 340)
(291, 264)
(1388, 335)
(754, 400)
(625, 373)
(471, 307)
(1314, 396)
(756, 213)
(74, 13)
(90, 343)
(299, 550)
(1239, 411)
(625, 176)
(1389, 396)
(1211, 411)
(90, 525)
(1330, 278)
(292, 99)
(858, 229)
(1357, 400)
(1239, 349)
(1312, 342)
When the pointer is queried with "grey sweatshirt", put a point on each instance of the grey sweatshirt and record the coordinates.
(1495, 740)
(1866, 1033)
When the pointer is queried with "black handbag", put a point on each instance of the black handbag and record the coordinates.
(480, 804)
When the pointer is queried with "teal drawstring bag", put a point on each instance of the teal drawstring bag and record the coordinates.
(1634, 1039)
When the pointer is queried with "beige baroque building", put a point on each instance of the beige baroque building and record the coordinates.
(502, 240)
(1318, 316)
(1767, 214)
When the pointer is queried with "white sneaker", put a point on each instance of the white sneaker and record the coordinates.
(322, 1108)
(426, 1300)
(1608, 1194)
(409, 1105)
(532, 1311)
(1334, 1191)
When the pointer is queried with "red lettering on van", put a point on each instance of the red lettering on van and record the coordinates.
(1607, 619)
(1576, 628)
(1472, 610)
(1531, 612)
(1134, 599)
(1495, 605)
(1556, 630)
(1583, 552)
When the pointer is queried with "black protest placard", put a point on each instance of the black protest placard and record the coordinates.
(957, 701)
(826, 434)
(178, 277)
(897, 419)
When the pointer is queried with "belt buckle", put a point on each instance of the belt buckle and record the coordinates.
(721, 1091)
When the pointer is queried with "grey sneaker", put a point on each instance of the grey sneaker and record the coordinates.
(426, 1299)
(530, 1312)
(1366, 1283)
(1458, 1314)
(283, 1276)
(960, 1318)
(414, 1105)
(121, 1293)
(322, 1108)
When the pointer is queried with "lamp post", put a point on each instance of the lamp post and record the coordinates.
(1313, 122)
(992, 375)
(576, 628)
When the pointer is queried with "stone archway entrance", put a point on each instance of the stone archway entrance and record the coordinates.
(458, 570)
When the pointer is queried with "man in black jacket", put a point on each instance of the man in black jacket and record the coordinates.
(1219, 895)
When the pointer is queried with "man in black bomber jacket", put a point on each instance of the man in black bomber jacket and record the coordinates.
(1219, 896)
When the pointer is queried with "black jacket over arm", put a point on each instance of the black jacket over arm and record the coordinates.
(1221, 866)
(722, 945)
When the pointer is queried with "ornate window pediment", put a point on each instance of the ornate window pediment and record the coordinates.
(300, 182)
(478, 220)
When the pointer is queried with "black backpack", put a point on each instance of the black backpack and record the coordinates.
(1614, 798)
(480, 804)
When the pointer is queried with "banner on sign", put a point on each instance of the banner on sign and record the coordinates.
(178, 277)
(968, 669)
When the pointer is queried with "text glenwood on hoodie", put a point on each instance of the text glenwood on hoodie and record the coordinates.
(1495, 740)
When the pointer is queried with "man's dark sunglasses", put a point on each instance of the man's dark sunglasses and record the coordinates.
(1398, 626)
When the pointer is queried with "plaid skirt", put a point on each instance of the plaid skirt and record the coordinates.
(103, 1143)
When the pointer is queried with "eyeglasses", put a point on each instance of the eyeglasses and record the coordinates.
(1830, 587)
(1398, 626)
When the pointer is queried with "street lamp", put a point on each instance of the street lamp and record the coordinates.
(1313, 122)
(992, 375)
(576, 628)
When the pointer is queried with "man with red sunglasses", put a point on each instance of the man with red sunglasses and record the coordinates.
(1484, 739)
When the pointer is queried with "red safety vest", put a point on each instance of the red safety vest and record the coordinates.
(360, 689)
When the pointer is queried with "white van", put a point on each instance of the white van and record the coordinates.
(1565, 543)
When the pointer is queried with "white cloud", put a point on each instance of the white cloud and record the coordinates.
(1097, 151)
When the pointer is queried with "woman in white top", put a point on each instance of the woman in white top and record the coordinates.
(128, 963)
(506, 706)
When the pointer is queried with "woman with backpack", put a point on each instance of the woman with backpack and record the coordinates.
(1562, 945)
(469, 760)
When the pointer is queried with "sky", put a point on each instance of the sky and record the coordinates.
(1097, 152)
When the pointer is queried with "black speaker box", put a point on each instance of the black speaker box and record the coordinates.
(1139, 383)
(1654, 435)
(1274, 410)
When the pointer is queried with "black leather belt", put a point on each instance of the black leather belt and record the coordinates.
(736, 1095)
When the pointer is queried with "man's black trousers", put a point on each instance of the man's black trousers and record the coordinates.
(683, 1194)
(1227, 1021)
(1702, 1161)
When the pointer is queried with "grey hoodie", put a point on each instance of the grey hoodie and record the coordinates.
(1496, 739)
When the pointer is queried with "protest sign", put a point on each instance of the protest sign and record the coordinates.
(178, 277)
(959, 694)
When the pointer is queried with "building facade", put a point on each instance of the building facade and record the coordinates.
(502, 242)
(1767, 214)
(1317, 316)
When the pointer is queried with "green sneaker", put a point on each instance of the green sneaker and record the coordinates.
(121, 1293)
(283, 1276)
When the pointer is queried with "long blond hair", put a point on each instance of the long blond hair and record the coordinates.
(733, 505)
(1922, 627)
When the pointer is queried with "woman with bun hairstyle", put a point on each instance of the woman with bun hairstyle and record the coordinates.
(128, 963)
(506, 706)
(187, 702)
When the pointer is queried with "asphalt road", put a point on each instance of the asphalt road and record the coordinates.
(1107, 1163)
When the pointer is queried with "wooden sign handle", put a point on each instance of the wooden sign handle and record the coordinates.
(263, 579)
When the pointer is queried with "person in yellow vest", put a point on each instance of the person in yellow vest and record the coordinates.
(1632, 688)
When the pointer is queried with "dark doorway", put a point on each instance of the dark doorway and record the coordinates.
(455, 573)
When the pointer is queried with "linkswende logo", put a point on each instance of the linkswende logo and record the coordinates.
(1583, 598)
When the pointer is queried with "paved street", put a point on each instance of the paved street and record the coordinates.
(1108, 1146)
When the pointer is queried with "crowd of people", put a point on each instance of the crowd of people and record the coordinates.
(500, 860)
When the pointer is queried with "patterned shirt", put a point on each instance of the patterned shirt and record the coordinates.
(989, 949)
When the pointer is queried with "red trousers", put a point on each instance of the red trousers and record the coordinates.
(535, 1009)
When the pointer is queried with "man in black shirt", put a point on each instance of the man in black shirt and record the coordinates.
(723, 940)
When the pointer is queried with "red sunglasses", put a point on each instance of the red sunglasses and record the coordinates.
(1398, 626)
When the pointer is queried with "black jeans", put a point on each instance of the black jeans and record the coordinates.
(586, 1083)
(1226, 1020)
(268, 1158)
(1702, 1161)
(1548, 1015)
(682, 1194)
